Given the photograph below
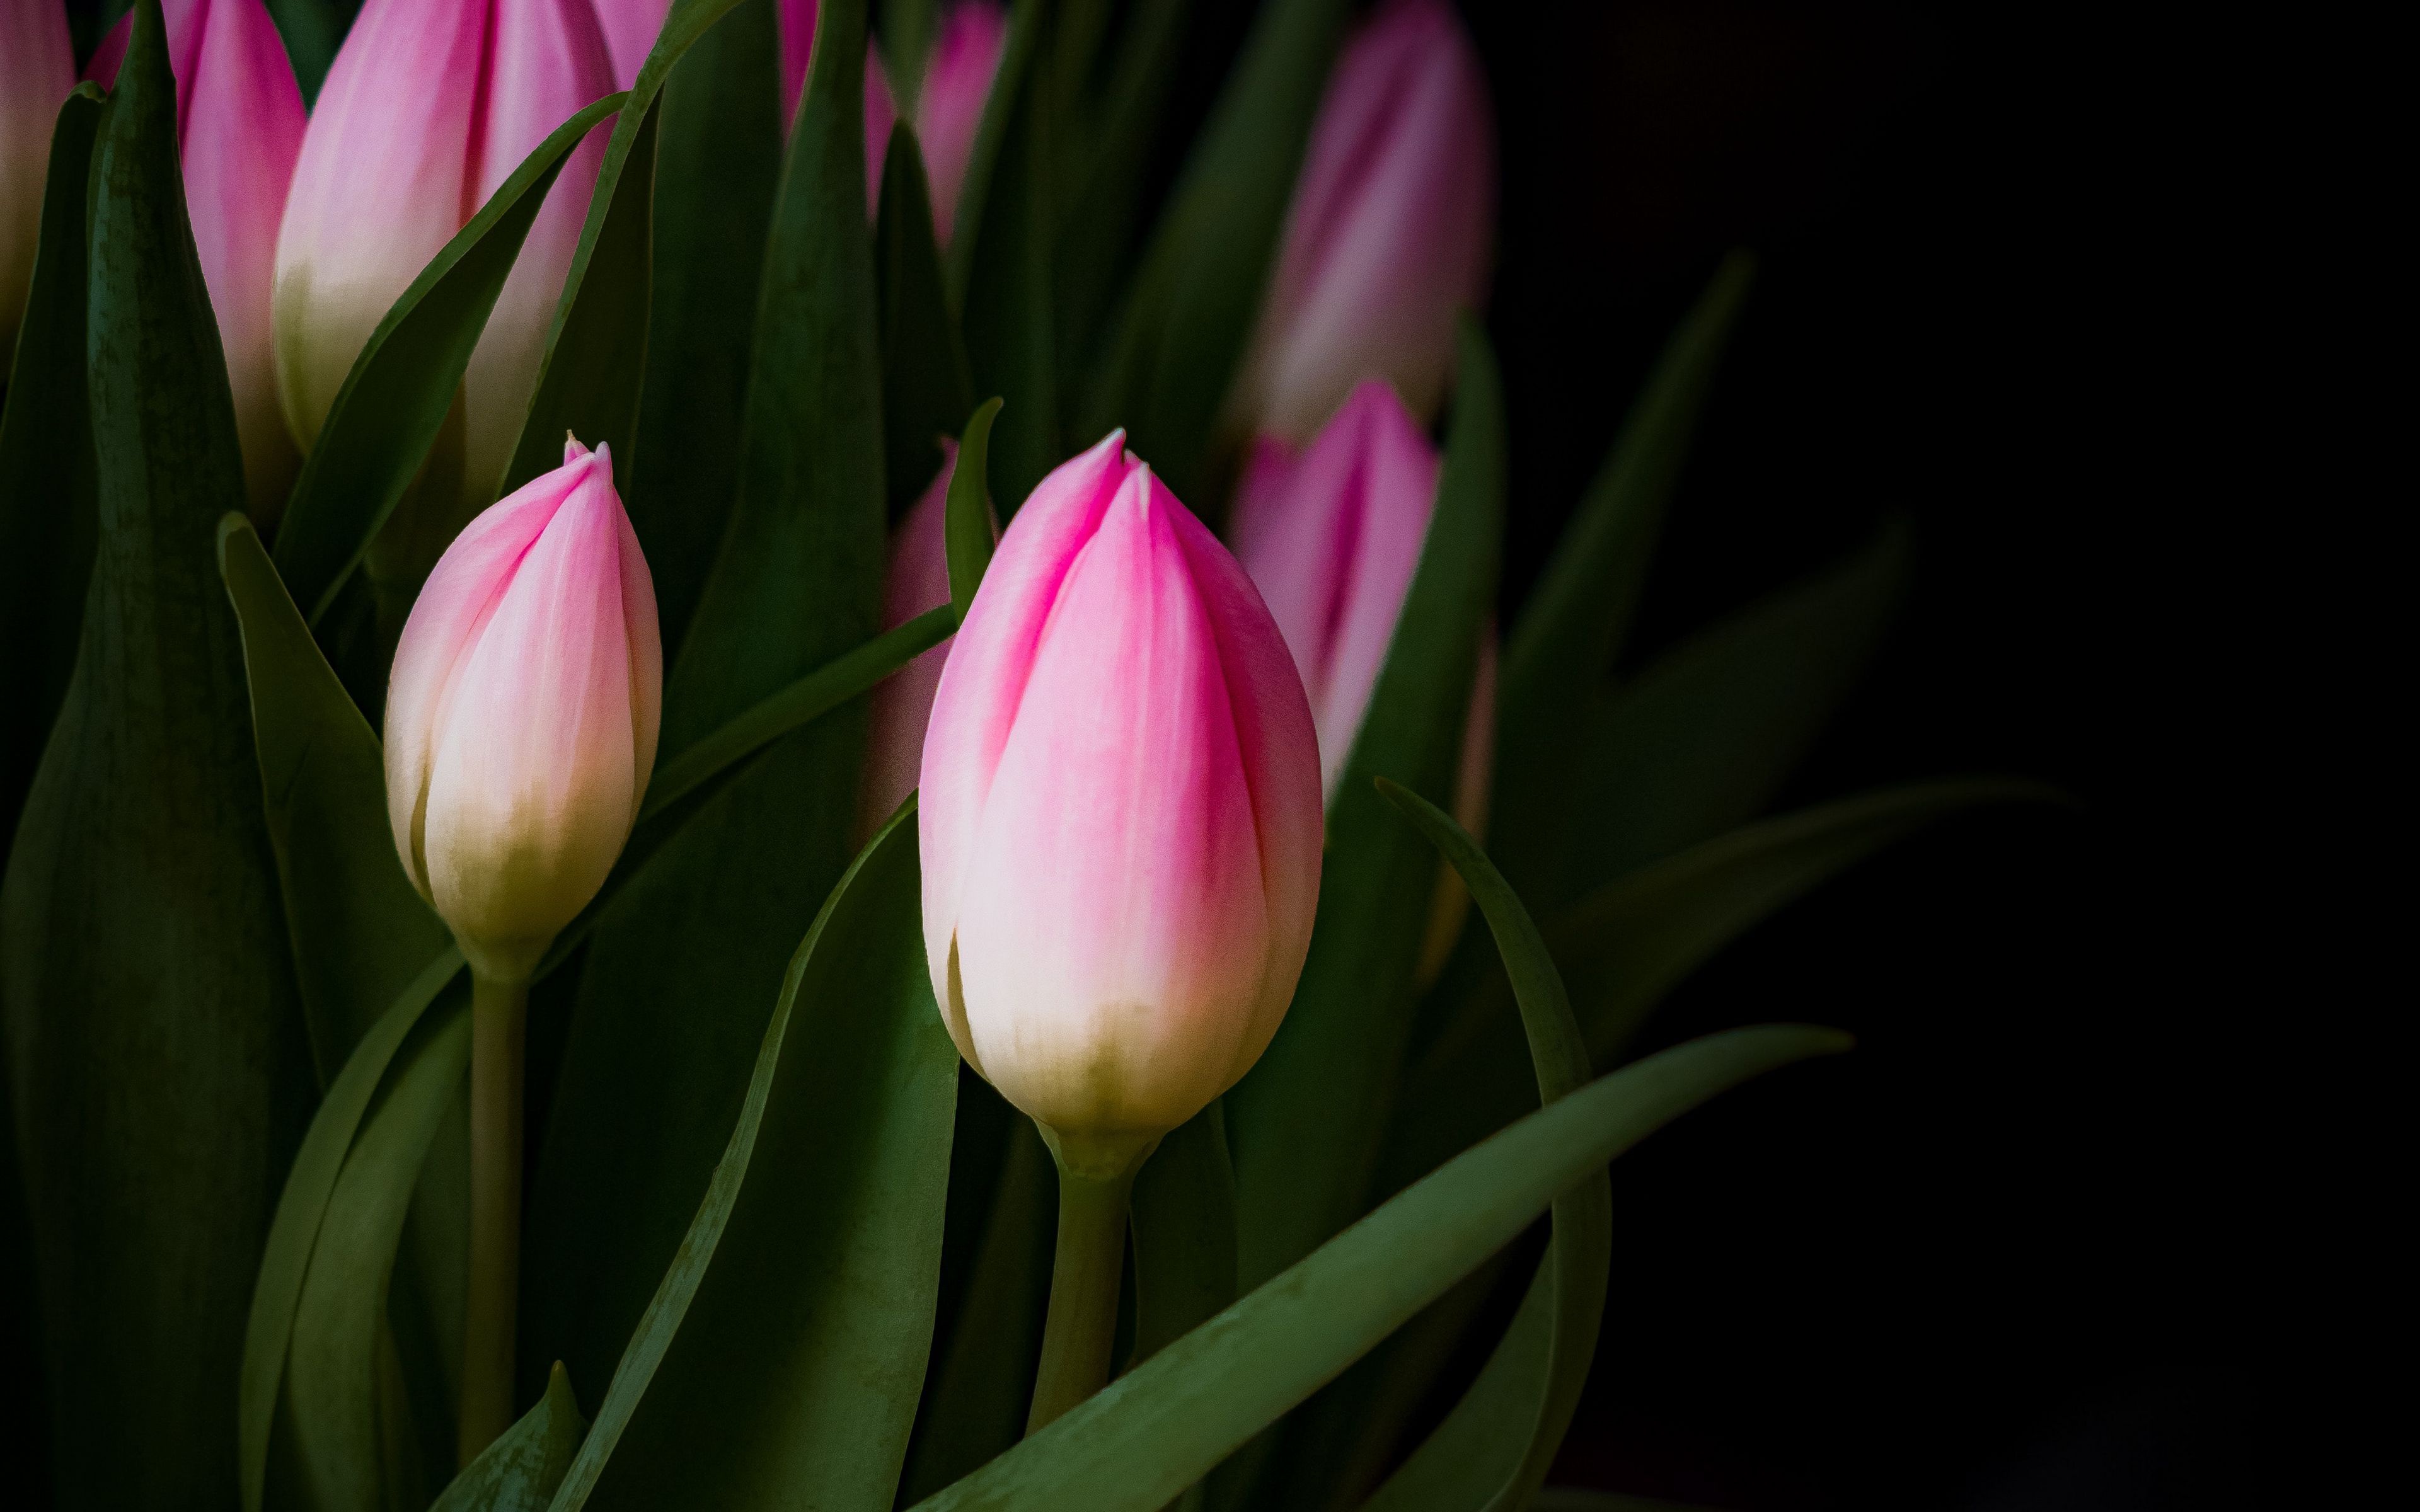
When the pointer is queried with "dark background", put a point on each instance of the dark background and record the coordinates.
(2042, 282)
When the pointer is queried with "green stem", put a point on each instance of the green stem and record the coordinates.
(1083, 1290)
(499, 1021)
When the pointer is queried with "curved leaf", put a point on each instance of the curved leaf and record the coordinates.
(360, 930)
(786, 1345)
(1304, 1123)
(141, 941)
(1495, 1448)
(310, 1183)
(48, 522)
(395, 398)
(968, 527)
(1153, 1432)
(926, 390)
(336, 1397)
(520, 1471)
(683, 965)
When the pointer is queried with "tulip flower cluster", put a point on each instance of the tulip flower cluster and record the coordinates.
(1105, 768)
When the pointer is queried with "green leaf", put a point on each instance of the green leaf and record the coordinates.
(719, 163)
(1153, 1432)
(361, 932)
(310, 1185)
(397, 396)
(47, 513)
(141, 942)
(1562, 650)
(785, 1346)
(968, 527)
(684, 962)
(1000, 257)
(907, 28)
(1184, 1233)
(1495, 1446)
(977, 1406)
(342, 1453)
(926, 390)
(1304, 1123)
(1193, 304)
(519, 1472)
(313, 30)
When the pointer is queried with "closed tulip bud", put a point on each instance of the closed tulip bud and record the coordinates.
(950, 107)
(429, 108)
(1120, 817)
(37, 70)
(521, 715)
(1388, 234)
(1332, 536)
(239, 127)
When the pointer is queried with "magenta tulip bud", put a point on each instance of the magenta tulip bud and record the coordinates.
(957, 82)
(1332, 536)
(1388, 235)
(1120, 816)
(521, 714)
(239, 120)
(37, 70)
(429, 106)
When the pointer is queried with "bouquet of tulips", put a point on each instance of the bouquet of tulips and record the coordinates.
(740, 770)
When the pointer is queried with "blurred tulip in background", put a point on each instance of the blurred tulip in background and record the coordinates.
(37, 70)
(1120, 816)
(1389, 229)
(427, 109)
(918, 580)
(239, 125)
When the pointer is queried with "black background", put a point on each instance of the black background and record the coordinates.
(2043, 283)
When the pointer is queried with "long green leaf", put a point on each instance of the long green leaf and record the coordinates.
(47, 510)
(141, 942)
(785, 1346)
(1153, 1432)
(360, 930)
(1191, 308)
(1495, 1448)
(1184, 1233)
(310, 1183)
(719, 163)
(1304, 1123)
(520, 1472)
(969, 528)
(684, 962)
(1000, 257)
(342, 1452)
(926, 390)
(397, 397)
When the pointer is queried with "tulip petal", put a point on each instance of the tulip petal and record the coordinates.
(798, 26)
(982, 680)
(957, 82)
(630, 28)
(379, 189)
(37, 70)
(901, 705)
(1112, 948)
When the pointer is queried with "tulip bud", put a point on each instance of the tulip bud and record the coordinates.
(949, 107)
(1388, 235)
(1332, 536)
(37, 70)
(239, 120)
(1120, 816)
(521, 714)
(427, 109)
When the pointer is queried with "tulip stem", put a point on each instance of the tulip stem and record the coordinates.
(499, 1027)
(1084, 1279)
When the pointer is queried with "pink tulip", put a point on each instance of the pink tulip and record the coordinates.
(429, 106)
(1332, 536)
(37, 70)
(1388, 235)
(901, 705)
(239, 120)
(1120, 816)
(957, 82)
(521, 714)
